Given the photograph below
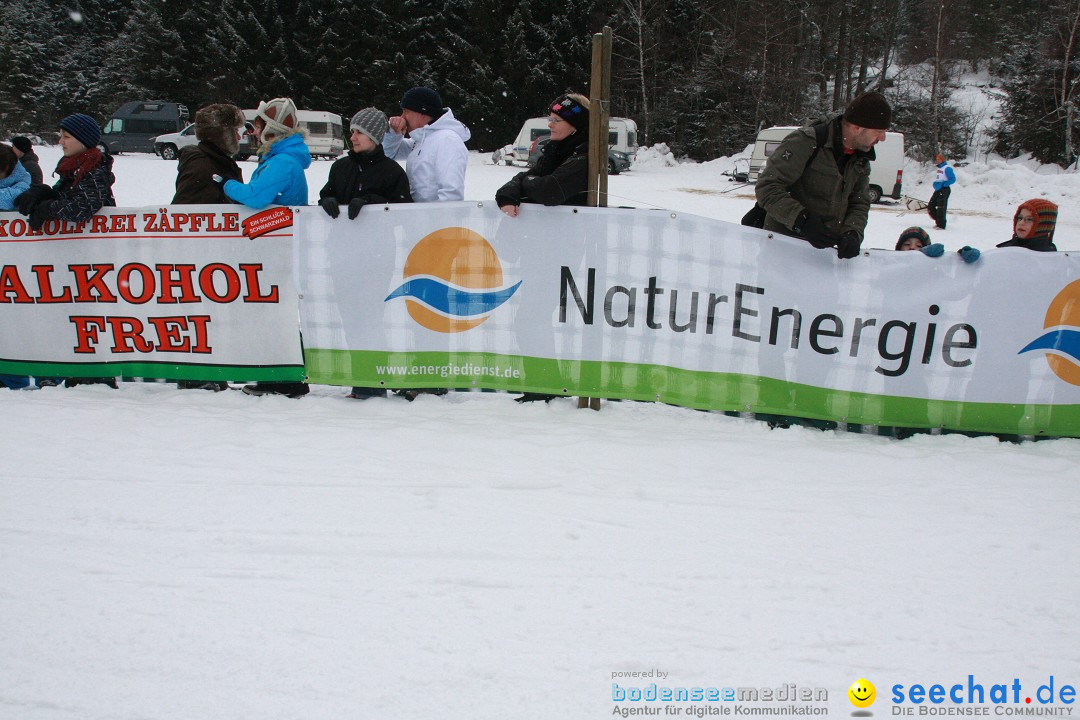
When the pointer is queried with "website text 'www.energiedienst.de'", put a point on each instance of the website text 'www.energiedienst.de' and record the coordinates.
(448, 371)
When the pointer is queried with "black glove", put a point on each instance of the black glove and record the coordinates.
(39, 215)
(354, 207)
(37, 193)
(330, 205)
(848, 247)
(815, 231)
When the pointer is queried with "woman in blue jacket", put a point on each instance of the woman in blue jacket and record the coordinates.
(279, 180)
(283, 157)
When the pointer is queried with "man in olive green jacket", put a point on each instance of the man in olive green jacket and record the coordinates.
(820, 192)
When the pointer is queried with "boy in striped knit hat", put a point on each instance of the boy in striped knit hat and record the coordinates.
(1033, 226)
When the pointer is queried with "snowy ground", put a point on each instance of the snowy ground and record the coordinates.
(170, 554)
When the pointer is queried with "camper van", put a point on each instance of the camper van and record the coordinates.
(133, 127)
(886, 171)
(325, 137)
(622, 136)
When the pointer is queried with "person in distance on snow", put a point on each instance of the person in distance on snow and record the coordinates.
(561, 177)
(365, 176)
(435, 146)
(1033, 226)
(915, 238)
(939, 201)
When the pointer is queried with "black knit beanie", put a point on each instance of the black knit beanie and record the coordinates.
(869, 110)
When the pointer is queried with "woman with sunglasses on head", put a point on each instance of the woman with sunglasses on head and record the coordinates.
(561, 175)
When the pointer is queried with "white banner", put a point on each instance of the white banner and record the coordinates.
(638, 295)
(181, 292)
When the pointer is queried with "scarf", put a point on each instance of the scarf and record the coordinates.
(556, 151)
(77, 166)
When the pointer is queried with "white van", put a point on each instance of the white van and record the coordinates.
(886, 171)
(325, 135)
(622, 136)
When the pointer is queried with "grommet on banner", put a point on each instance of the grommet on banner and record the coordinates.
(673, 216)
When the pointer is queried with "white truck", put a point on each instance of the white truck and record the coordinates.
(886, 171)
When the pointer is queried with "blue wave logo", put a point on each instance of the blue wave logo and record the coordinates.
(1064, 342)
(1060, 342)
(449, 300)
(453, 281)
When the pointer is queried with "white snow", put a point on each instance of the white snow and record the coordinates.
(169, 554)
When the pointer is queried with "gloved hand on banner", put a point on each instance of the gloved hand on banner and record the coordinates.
(355, 205)
(849, 245)
(38, 193)
(969, 254)
(933, 250)
(330, 205)
(814, 229)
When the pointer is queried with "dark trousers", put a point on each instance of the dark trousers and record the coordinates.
(939, 204)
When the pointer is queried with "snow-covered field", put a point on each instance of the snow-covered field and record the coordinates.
(169, 554)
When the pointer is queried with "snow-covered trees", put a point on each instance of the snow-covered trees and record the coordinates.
(700, 75)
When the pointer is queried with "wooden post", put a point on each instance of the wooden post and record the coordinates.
(599, 112)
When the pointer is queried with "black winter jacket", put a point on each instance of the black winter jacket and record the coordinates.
(30, 162)
(561, 177)
(198, 164)
(78, 203)
(1039, 243)
(370, 176)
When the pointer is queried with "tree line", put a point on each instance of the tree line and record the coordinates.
(701, 75)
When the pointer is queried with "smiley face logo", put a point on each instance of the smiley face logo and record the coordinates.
(862, 693)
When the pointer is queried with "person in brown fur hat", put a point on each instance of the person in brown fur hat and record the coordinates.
(218, 128)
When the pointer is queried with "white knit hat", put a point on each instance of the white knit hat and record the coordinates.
(279, 115)
(371, 122)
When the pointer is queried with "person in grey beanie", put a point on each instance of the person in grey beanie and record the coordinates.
(364, 177)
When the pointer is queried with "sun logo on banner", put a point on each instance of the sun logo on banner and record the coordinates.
(453, 281)
(1061, 341)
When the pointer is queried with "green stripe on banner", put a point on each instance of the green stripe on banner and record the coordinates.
(166, 371)
(688, 388)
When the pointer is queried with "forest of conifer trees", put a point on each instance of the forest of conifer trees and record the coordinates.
(699, 75)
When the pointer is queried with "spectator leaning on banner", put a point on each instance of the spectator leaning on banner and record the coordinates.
(218, 129)
(816, 183)
(86, 178)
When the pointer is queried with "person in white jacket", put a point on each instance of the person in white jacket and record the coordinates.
(435, 146)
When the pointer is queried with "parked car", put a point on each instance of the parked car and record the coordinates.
(617, 160)
(168, 146)
(134, 125)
